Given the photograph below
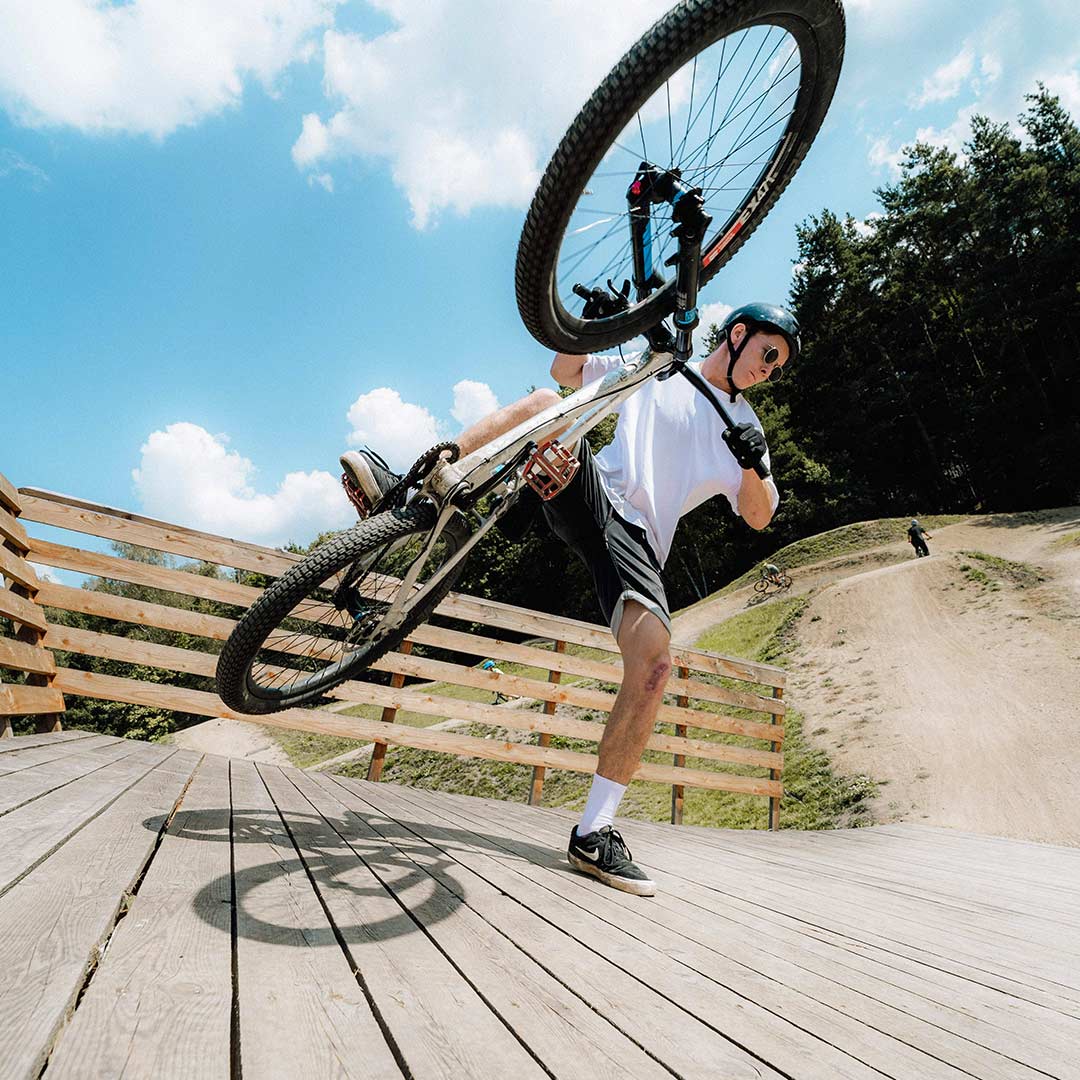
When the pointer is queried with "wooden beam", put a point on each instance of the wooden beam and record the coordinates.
(111, 688)
(22, 656)
(28, 700)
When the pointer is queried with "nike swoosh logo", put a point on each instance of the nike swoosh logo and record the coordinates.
(592, 856)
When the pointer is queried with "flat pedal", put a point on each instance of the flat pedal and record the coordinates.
(550, 468)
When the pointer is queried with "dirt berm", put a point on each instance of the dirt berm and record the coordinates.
(954, 681)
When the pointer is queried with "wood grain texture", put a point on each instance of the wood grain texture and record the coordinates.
(160, 1002)
(302, 1012)
(56, 920)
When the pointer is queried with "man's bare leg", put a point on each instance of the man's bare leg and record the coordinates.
(503, 420)
(644, 643)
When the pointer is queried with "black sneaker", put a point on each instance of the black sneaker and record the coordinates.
(367, 478)
(604, 854)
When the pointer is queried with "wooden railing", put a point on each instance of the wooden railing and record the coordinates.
(749, 761)
(21, 650)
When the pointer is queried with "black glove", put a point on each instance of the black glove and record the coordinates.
(746, 444)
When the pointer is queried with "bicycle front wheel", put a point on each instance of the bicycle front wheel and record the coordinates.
(760, 585)
(326, 618)
(729, 92)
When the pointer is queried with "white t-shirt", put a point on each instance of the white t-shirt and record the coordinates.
(668, 455)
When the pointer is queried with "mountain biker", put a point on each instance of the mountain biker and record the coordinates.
(670, 453)
(917, 537)
(771, 573)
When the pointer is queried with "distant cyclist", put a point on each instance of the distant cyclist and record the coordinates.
(772, 574)
(917, 536)
(490, 665)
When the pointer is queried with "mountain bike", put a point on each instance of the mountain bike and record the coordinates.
(667, 170)
(781, 582)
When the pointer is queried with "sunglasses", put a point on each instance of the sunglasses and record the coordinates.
(770, 357)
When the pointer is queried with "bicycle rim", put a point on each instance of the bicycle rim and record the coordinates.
(338, 625)
(731, 95)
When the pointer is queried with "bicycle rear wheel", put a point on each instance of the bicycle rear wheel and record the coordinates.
(324, 619)
(729, 92)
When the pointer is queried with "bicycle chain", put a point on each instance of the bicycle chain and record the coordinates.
(395, 496)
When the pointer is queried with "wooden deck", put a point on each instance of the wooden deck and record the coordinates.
(163, 915)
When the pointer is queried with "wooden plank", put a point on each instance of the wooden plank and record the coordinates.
(520, 686)
(565, 663)
(29, 700)
(17, 569)
(9, 497)
(21, 610)
(174, 539)
(288, 962)
(30, 757)
(169, 657)
(773, 1038)
(20, 742)
(161, 1000)
(227, 592)
(21, 656)
(571, 1036)
(441, 1026)
(13, 533)
(90, 684)
(90, 602)
(950, 1036)
(522, 720)
(30, 834)
(55, 922)
(127, 515)
(166, 578)
(22, 787)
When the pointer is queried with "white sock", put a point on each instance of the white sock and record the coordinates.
(604, 798)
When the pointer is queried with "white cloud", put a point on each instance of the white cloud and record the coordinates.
(955, 135)
(324, 180)
(472, 402)
(990, 67)
(883, 155)
(947, 81)
(14, 164)
(186, 474)
(713, 313)
(1066, 85)
(397, 430)
(420, 97)
(865, 228)
(147, 66)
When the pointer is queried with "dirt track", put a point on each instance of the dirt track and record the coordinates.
(962, 700)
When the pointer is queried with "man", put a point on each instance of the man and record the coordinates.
(670, 453)
(771, 573)
(917, 536)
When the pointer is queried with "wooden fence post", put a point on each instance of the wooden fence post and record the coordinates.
(378, 755)
(774, 774)
(679, 760)
(537, 787)
(13, 551)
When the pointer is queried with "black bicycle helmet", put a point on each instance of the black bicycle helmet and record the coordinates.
(758, 316)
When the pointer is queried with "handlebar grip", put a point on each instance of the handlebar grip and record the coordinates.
(762, 470)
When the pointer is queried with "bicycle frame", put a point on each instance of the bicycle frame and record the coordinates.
(457, 487)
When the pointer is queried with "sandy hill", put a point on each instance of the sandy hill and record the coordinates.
(954, 680)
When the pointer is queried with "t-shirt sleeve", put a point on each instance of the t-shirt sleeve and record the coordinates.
(597, 366)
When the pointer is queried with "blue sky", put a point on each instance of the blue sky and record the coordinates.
(237, 236)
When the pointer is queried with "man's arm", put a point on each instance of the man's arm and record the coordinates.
(566, 369)
(755, 500)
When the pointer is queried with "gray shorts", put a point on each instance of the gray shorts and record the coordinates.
(617, 554)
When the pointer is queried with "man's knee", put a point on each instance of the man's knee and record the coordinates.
(543, 397)
(644, 643)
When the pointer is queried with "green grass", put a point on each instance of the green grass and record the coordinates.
(1069, 539)
(846, 540)
(816, 797)
(993, 570)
